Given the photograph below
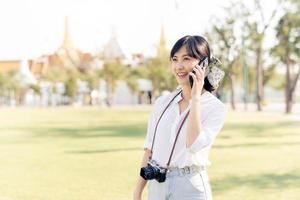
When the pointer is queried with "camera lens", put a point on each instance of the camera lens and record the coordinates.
(149, 172)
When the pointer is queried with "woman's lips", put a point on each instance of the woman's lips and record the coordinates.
(182, 75)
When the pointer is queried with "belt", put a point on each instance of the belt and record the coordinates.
(186, 170)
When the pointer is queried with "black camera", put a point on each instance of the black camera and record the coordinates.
(154, 171)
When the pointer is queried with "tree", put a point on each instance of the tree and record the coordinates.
(55, 74)
(256, 34)
(227, 49)
(2, 84)
(71, 87)
(92, 79)
(66, 75)
(111, 72)
(132, 75)
(11, 89)
(288, 52)
(159, 72)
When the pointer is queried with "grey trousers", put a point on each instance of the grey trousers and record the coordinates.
(181, 186)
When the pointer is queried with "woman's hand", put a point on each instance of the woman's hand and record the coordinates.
(137, 193)
(198, 78)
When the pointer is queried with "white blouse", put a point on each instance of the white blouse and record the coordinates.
(213, 114)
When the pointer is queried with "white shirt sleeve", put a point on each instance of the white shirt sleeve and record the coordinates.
(210, 129)
(151, 123)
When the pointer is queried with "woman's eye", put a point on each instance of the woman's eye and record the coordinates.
(186, 58)
(174, 59)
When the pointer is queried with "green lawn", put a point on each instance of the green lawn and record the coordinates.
(94, 154)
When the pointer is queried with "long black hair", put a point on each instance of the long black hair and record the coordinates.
(196, 47)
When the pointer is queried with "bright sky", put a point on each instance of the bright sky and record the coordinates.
(30, 28)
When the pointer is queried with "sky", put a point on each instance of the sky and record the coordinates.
(30, 28)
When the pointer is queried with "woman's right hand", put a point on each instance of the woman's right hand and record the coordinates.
(137, 194)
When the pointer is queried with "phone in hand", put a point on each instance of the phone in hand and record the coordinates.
(202, 62)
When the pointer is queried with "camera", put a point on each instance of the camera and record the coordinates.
(154, 171)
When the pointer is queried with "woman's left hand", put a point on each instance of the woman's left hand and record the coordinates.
(198, 78)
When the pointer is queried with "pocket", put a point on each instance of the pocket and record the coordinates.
(196, 182)
(156, 190)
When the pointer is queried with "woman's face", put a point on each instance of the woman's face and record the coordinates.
(182, 64)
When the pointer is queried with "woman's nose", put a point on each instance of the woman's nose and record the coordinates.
(179, 65)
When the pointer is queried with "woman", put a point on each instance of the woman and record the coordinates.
(183, 126)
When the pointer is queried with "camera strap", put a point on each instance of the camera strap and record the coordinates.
(178, 131)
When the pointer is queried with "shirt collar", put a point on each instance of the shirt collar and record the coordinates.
(203, 96)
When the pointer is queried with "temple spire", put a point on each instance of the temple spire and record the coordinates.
(162, 47)
(113, 50)
(67, 42)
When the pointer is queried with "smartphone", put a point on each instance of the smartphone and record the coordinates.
(203, 60)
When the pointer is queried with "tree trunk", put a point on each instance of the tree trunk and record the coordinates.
(259, 80)
(109, 88)
(232, 92)
(294, 82)
(288, 91)
(155, 93)
(262, 86)
(20, 97)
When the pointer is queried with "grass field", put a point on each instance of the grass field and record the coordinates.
(94, 154)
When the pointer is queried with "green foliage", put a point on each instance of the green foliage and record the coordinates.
(112, 71)
(253, 36)
(55, 74)
(159, 72)
(251, 79)
(132, 74)
(36, 88)
(277, 81)
(227, 49)
(71, 82)
(288, 35)
(269, 73)
(92, 78)
(2, 83)
(9, 83)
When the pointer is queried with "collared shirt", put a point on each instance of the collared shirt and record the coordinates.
(213, 114)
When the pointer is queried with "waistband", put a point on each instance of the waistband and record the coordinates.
(186, 170)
